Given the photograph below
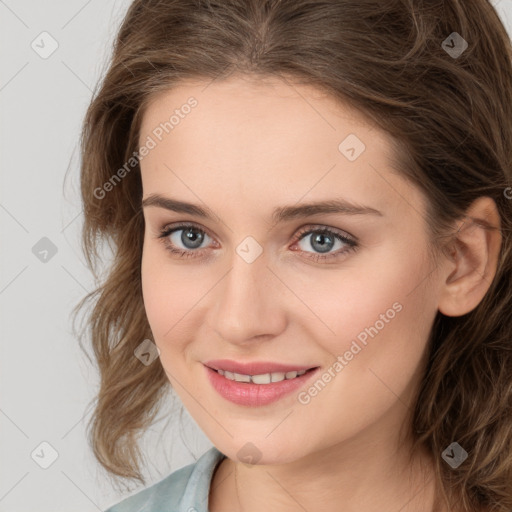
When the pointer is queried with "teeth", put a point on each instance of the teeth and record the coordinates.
(265, 378)
(242, 378)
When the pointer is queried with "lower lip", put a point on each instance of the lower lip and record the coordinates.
(248, 393)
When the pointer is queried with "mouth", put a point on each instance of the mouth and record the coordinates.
(254, 387)
(256, 368)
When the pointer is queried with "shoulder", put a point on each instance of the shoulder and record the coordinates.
(181, 490)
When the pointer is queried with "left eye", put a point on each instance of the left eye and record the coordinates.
(322, 239)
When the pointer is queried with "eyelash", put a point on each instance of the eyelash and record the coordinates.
(352, 245)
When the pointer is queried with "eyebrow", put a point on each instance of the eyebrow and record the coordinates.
(280, 214)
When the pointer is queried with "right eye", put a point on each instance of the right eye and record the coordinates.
(183, 239)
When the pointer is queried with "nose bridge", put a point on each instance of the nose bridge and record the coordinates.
(246, 302)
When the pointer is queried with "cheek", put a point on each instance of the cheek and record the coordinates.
(347, 299)
(376, 314)
(380, 332)
(167, 292)
(176, 299)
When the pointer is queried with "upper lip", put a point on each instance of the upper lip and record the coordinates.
(254, 367)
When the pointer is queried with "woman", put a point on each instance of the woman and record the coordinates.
(310, 206)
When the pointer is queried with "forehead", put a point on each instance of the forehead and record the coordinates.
(269, 139)
(268, 102)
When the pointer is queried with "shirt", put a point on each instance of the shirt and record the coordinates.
(185, 490)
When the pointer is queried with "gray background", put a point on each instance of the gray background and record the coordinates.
(47, 384)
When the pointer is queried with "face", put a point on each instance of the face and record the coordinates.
(250, 275)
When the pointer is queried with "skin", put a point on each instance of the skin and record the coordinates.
(245, 149)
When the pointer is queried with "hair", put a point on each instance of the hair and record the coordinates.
(450, 119)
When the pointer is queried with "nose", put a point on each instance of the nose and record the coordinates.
(249, 302)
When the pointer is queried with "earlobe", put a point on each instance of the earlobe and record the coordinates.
(472, 260)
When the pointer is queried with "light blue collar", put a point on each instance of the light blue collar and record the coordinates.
(196, 493)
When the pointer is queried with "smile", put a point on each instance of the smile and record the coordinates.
(259, 389)
(264, 378)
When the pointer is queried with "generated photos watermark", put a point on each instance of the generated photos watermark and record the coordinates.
(158, 133)
(304, 397)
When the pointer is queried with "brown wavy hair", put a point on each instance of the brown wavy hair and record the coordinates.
(451, 118)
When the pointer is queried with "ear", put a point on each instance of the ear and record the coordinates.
(472, 259)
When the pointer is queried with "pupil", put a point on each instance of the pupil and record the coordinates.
(188, 237)
(321, 238)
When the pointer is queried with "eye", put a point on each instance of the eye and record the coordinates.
(191, 238)
(187, 240)
(323, 240)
